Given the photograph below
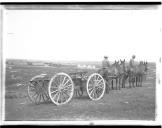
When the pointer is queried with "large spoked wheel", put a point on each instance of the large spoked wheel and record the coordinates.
(38, 90)
(95, 86)
(61, 89)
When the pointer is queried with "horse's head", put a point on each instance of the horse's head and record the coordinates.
(114, 69)
(123, 68)
(146, 66)
(142, 67)
(122, 63)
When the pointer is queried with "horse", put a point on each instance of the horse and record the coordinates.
(110, 74)
(123, 73)
(131, 70)
(115, 73)
(136, 74)
(140, 72)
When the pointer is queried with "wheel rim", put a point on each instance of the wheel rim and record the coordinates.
(61, 88)
(95, 86)
(37, 90)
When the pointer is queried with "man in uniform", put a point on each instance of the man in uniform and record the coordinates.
(131, 62)
(105, 69)
(132, 67)
(105, 63)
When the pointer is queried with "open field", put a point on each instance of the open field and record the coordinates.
(130, 103)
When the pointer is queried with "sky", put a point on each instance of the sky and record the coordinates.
(81, 35)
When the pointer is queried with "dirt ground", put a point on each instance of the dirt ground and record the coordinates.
(126, 104)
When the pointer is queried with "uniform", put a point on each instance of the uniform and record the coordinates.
(105, 64)
(105, 67)
(131, 63)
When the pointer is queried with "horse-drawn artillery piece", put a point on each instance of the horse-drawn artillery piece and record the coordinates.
(60, 88)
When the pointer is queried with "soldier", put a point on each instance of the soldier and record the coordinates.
(105, 63)
(105, 69)
(105, 66)
(131, 62)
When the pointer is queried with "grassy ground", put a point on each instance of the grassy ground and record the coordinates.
(129, 103)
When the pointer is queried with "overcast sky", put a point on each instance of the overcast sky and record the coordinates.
(85, 35)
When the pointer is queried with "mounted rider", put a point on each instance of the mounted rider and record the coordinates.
(105, 65)
(132, 62)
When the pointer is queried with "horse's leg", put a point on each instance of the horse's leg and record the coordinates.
(112, 84)
(124, 80)
(120, 82)
(75, 91)
(129, 81)
(132, 80)
(116, 82)
(141, 80)
(106, 83)
(135, 80)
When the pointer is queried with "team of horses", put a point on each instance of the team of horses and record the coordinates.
(120, 72)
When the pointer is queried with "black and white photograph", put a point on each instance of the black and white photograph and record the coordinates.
(77, 62)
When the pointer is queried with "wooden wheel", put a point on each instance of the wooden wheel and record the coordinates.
(37, 90)
(61, 88)
(95, 86)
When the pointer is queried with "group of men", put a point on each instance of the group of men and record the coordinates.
(106, 63)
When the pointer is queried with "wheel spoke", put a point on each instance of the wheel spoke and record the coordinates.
(63, 96)
(40, 98)
(46, 94)
(54, 91)
(56, 81)
(99, 81)
(58, 97)
(55, 95)
(100, 85)
(90, 89)
(91, 85)
(67, 86)
(34, 94)
(98, 78)
(91, 92)
(66, 96)
(60, 78)
(91, 82)
(33, 89)
(66, 82)
(37, 97)
(43, 97)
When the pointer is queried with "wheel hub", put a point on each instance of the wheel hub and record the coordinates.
(60, 88)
